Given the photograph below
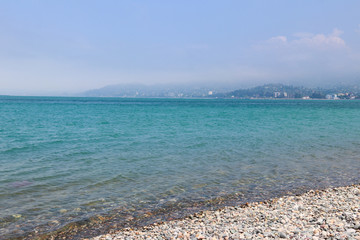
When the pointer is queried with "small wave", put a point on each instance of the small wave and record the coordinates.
(19, 184)
(17, 149)
(116, 179)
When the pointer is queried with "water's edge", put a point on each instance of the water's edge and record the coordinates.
(117, 219)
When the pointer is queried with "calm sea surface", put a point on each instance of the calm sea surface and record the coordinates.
(67, 159)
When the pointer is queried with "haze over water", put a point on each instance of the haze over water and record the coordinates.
(66, 159)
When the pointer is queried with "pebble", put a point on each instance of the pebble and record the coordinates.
(317, 214)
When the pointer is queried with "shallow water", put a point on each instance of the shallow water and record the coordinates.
(67, 159)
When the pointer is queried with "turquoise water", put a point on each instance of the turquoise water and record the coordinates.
(67, 159)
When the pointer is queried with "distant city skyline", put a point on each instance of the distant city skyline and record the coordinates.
(58, 47)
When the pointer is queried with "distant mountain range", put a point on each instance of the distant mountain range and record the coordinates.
(265, 91)
(161, 90)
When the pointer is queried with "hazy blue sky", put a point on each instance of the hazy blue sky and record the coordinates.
(69, 46)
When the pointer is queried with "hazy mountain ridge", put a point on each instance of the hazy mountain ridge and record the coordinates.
(161, 90)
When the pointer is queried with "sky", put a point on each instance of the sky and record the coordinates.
(72, 46)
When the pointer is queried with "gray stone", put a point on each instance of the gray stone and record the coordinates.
(282, 235)
(357, 226)
(247, 235)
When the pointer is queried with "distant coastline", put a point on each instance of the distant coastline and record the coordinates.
(268, 91)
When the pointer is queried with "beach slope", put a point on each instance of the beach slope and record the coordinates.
(332, 213)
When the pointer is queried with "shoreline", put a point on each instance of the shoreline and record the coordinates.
(113, 225)
(315, 214)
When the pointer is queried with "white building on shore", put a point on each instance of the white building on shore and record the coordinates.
(332, 97)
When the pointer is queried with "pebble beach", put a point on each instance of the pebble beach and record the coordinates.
(332, 213)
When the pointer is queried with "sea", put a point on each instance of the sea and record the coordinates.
(71, 159)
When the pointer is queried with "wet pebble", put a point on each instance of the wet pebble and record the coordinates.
(62, 210)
